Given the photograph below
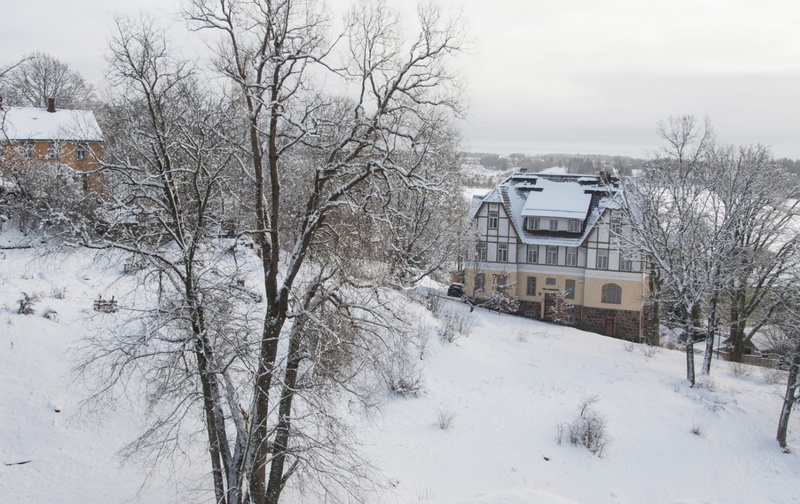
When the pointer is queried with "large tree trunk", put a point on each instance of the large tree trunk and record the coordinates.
(737, 327)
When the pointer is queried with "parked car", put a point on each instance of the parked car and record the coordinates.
(456, 290)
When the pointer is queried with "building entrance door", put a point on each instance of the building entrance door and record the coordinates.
(610, 326)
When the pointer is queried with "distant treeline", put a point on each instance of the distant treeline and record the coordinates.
(583, 164)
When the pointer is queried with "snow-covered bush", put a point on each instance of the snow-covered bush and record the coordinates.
(502, 303)
(26, 303)
(455, 325)
(589, 429)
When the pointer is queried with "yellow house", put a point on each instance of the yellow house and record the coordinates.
(555, 238)
(69, 137)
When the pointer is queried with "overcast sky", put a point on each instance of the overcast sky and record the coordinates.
(573, 76)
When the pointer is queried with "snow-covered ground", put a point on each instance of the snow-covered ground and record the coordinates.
(507, 388)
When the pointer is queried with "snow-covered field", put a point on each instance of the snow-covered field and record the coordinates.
(506, 388)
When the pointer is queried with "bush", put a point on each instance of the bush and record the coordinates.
(588, 430)
(26, 304)
(444, 419)
(402, 376)
(455, 325)
(499, 302)
(739, 369)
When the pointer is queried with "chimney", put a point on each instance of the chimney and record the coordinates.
(51, 105)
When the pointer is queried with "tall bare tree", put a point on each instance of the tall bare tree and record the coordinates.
(330, 135)
(669, 210)
(39, 77)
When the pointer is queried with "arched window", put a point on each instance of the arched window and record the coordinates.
(612, 293)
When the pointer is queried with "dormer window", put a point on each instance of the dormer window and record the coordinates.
(531, 223)
(553, 224)
(574, 226)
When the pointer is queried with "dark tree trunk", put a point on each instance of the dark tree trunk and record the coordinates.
(790, 397)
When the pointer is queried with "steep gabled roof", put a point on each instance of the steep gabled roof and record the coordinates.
(561, 196)
(30, 123)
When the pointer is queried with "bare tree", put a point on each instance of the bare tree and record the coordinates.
(786, 322)
(40, 77)
(759, 199)
(669, 209)
(316, 158)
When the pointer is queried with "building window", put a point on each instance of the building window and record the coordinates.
(552, 254)
(493, 219)
(602, 259)
(569, 289)
(550, 281)
(612, 293)
(533, 254)
(480, 282)
(553, 225)
(574, 226)
(85, 181)
(530, 290)
(572, 256)
(570, 319)
(625, 265)
(80, 151)
(502, 252)
(531, 223)
(616, 227)
(53, 150)
(480, 249)
(500, 283)
(27, 150)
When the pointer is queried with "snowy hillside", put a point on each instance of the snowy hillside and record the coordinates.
(483, 429)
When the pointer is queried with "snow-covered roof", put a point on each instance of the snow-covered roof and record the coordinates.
(558, 200)
(553, 195)
(30, 123)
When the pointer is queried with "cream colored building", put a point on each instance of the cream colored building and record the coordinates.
(541, 234)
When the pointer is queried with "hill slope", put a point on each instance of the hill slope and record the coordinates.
(507, 388)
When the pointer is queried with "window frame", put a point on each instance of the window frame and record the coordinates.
(574, 226)
(553, 224)
(27, 149)
(54, 150)
(625, 264)
(572, 253)
(493, 219)
(480, 250)
(611, 293)
(502, 252)
(532, 223)
(602, 259)
(81, 150)
(480, 282)
(569, 288)
(551, 249)
(550, 281)
(533, 250)
(530, 287)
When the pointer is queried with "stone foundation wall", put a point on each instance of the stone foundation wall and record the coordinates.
(526, 307)
(626, 325)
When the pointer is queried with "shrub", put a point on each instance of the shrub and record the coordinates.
(26, 304)
(589, 429)
(444, 419)
(739, 369)
(455, 325)
(402, 376)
